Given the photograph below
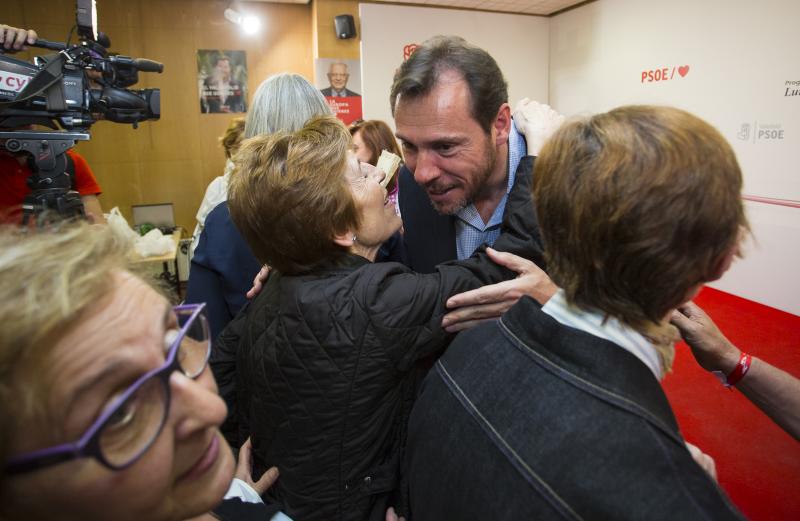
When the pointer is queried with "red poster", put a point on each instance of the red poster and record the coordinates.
(348, 108)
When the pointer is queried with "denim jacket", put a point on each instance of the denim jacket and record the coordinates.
(525, 418)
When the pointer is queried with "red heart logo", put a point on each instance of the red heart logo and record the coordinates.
(683, 70)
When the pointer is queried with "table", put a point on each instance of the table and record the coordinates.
(165, 259)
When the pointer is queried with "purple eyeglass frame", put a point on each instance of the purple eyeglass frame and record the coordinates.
(89, 444)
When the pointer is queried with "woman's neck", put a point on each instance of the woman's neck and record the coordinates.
(368, 252)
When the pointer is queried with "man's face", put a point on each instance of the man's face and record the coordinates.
(445, 148)
(338, 76)
(223, 69)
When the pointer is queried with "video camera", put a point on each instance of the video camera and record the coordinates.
(68, 92)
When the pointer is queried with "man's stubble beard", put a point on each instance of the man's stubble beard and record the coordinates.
(476, 190)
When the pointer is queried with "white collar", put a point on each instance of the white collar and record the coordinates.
(603, 326)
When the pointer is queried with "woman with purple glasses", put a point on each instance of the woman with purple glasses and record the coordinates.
(108, 409)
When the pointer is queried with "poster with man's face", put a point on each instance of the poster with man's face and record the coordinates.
(340, 82)
(222, 81)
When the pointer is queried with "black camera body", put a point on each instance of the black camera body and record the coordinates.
(75, 88)
(68, 92)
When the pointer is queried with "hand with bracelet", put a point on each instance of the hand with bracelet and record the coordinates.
(774, 391)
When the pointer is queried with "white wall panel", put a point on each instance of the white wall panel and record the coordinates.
(519, 43)
(743, 60)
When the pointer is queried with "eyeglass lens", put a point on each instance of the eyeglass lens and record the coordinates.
(194, 349)
(135, 424)
(132, 428)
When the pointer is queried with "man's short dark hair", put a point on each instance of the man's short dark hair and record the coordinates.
(419, 74)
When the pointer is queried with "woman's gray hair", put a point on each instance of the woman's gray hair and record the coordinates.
(284, 102)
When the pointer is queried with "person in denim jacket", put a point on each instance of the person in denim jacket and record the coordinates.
(556, 411)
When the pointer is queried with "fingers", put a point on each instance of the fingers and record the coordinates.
(258, 281)
(245, 451)
(32, 37)
(512, 262)
(267, 480)
(680, 320)
(705, 461)
(687, 317)
(14, 38)
(482, 295)
(467, 324)
(467, 316)
(391, 515)
(244, 466)
(537, 121)
(531, 279)
(689, 308)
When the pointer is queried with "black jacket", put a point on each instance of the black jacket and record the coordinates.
(323, 377)
(525, 418)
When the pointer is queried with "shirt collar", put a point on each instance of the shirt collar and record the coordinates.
(517, 148)
(600, 325)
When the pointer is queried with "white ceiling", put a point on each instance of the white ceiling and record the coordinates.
(539, 7)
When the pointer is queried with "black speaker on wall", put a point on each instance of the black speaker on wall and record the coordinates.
(345, 26)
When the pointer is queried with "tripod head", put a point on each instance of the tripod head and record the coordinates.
(50, 183)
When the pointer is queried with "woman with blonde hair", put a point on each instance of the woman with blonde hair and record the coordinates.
(109, 411)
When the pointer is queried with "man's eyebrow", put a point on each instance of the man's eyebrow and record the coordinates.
(438, 140)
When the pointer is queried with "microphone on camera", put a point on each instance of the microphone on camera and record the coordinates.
(145, 65)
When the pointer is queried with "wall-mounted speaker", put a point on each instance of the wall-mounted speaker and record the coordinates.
(345, 26)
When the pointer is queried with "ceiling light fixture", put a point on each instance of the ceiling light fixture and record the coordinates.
(249, 23)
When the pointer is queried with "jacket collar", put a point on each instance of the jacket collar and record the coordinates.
(594, 364)
(340, 265)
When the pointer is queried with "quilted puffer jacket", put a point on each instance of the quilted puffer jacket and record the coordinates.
(324, 370)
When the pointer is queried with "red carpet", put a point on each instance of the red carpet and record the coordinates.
(758, 464)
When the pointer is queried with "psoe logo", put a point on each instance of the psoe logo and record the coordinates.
(761, 132)
(744, 132)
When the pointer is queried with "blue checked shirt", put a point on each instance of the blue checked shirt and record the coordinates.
(471, 231)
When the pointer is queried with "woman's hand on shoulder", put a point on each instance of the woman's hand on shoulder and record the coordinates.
(244, 470)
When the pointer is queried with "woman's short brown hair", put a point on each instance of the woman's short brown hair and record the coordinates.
(637, 206)
(289, 197)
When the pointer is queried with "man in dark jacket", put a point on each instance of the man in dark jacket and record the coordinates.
(556, 411)
(462, 151)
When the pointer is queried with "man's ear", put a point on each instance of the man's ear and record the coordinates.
(502, 124)
(345, 239)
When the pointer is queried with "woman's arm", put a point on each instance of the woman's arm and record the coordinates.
(772, 390)
(408, 307)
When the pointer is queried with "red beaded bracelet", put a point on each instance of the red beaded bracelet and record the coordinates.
(738, 373)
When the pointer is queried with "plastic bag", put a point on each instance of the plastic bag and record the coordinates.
(154, 243)
(120, 226)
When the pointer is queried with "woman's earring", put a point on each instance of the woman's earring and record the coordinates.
(354, 239)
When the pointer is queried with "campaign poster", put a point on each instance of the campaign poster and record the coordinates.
(340, 83)
(222, 81)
